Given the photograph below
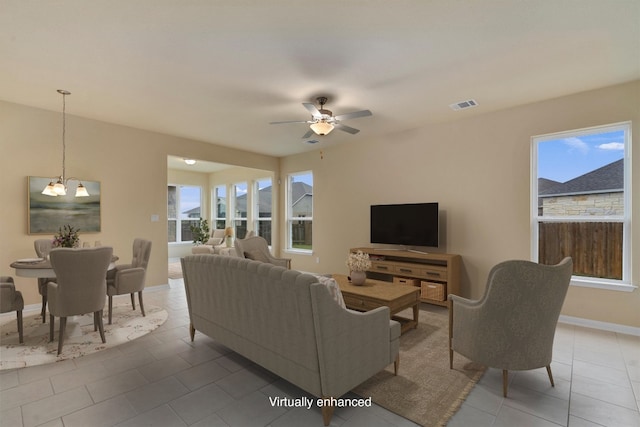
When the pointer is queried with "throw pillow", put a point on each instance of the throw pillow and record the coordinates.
(334, 289)
(214, 241)
(256, 255)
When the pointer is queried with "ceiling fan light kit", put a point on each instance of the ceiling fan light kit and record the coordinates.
(323, 121)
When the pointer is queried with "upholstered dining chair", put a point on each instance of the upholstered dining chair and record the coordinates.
(257, 248)
(81, 285)
(11, 300)
(513, 325)
(43, 247)
(129, 278)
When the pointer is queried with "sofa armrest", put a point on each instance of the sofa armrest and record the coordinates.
(352, 346)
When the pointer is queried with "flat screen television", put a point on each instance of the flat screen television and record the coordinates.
(409, 224)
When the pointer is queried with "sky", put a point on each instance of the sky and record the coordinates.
(566, 158)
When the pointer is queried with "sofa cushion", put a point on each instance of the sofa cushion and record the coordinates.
(215, 241)
(256, 256)
(334, 289)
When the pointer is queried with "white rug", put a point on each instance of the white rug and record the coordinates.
(80, 339)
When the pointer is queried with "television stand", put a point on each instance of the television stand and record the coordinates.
(436, 274)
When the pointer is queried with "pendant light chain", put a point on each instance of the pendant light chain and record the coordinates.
(64, 132)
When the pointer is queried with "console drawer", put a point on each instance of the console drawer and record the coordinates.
(435, 273)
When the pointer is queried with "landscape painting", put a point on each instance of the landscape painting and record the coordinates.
(46, 214)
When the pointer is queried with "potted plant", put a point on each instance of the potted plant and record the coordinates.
(200, 232)
(358, 263)
(228, 236)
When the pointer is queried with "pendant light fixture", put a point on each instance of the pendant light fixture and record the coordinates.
(60, 187)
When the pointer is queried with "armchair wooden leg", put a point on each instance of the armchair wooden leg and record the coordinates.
(327, 412)
(396, 364)
(133, 301)
(43, 311)
(51, 328)
(63, 324)
(505, 382)
(192, 331)
(95, 321)
(141, 305)
(20, 331)
(550, 375)
(110, 308)
(98, 316)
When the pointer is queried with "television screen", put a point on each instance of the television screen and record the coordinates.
(412, 224)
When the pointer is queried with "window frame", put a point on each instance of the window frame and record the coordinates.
(239, 219)
(179, 220)
(625, 284)
(216, 214)
(256, 208)
(291, 218)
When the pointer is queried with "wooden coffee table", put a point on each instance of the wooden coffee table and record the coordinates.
(376, 293)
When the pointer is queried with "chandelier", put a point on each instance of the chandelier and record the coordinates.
(60, 187)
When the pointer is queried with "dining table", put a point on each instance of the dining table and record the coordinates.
(41, 267)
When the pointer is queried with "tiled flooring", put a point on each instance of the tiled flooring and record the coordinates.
(163, 379)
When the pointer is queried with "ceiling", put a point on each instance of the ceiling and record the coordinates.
(220, 71)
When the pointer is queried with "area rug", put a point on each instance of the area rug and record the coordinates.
(425, 390)
(80, 337)
(175, 270)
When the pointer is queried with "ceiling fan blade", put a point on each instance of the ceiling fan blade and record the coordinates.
(289, 121)
(354, 115)
(312, 109)
(308, 134)
(346, 128)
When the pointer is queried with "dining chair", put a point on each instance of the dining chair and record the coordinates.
(11, 300)
(81, 285)
(43, 248)
(512, 326)
(129, 278)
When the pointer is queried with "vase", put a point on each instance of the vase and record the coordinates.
(358, 277)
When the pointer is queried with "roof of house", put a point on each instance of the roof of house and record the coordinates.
(605, 179)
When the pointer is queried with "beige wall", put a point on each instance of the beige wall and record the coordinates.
(478, 169)
(130, 164)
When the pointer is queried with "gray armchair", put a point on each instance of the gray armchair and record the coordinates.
(81, 286)
(43, 247)
(129, 278)
(512, 326)
(11, 300)
(257, 248)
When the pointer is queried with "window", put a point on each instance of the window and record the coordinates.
(300, 211)
(240, 209)
(183, 210)
(581, 203)
(220, 206)
(262, 208)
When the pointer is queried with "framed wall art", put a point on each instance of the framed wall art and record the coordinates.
(46, 214)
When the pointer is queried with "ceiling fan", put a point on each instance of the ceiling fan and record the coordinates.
(323, 121)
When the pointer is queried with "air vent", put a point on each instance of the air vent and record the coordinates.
(462, 105)
(312, 141)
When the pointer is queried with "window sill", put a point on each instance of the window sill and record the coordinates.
(299, 251)
(609, 285)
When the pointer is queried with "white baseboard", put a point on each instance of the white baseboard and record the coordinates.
(596, 324)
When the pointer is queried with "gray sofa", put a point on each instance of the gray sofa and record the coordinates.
(287, 322)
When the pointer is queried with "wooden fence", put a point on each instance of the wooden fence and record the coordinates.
(596, 247)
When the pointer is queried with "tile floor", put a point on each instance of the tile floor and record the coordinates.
(163, 379)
